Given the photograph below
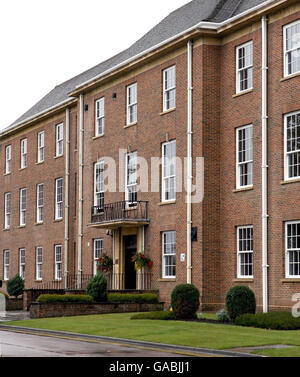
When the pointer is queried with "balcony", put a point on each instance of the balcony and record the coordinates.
(118, 214)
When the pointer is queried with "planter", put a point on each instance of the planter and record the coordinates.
(66, 309)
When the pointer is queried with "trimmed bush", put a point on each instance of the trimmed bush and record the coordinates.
(97, 287)
(222, 316)
(272, 321)
(185, 301)
(240, 300)
(52, 299)
(142, 298)
(158, 316)
(15, 286)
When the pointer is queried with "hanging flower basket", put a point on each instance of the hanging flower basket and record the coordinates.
(105, 263)
(141, 261)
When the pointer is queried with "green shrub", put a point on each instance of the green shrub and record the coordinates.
(185, 301)
(240, 300)
(97, 288)
(158, 316)
(53, 298)
(222, 316)
(142, 298)
(15, 286)
(273, 321)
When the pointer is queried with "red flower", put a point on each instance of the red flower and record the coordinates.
(142, 256)
(150, 264)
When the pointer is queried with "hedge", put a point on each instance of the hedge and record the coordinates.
(162, 316)
(142, 298)
(272, 321)
(47, 299)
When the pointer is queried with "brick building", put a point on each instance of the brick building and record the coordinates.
(215, 79)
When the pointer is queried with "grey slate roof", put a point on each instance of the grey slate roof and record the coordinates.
(178, 21)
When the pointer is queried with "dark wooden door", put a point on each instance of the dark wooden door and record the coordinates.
(130, 247)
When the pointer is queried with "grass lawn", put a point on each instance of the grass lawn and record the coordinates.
(194, 334)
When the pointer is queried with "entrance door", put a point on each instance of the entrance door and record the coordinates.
(130, 248)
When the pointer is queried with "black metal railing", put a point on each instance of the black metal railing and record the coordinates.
(119, 211)
(115, 281)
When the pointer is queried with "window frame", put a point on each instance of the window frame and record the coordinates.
(239, 253)
(239, 70)
(169, 89)
(41, 147)
(101, 115)
(23, 207)
(58, 203)
(238, 163)
(285, 51)
(39, 207)
(287, 251)
(23, 151)
(7, 211)
(22, 262)
(58, 263)
(130, 105)
(164, 178)
(6, 266)
(38, 263)
(8, 159)
(59, 140)
(95, 257)
(286, 153)
(164, 276)
(127, 186)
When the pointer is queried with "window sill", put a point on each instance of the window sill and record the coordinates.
(56, 157)
(167, 280)
(98, 137)
(243, 189)
(290, 181)
(290, 280)
(39, 163)
(130, 125)
(6, 174)
(243, 280)
(168, 111)
(167, 203)
(242, 93)
(37, 224)
(57, 220)
(23, 168)
(290, 76)
(21, 226)
(5, 229)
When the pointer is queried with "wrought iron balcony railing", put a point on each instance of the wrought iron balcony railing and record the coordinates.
(124, 211)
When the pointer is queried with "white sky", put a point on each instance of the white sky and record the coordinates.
(44, 43)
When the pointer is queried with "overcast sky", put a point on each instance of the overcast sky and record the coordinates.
(44, 43)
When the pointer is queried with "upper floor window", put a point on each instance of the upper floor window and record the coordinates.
(169, 254)
(23, 195)
(98, 251)
(245, 251)
(7, 159)
(131, 178)
(22, 263)
(99, 117)
(58, 199)
(6, 264)
(41, 146)
(99, 185)
(39, 263)
(244, 155)
(292, 241)
(7, 197)
(39, 203)
(132, 104)
(58, 262)
(292, 48)
(292, 146)
(169, 83)
(23, 153)
(59, 139)
(169, 171)
(244, 67)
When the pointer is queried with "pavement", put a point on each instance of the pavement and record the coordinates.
(13, 316)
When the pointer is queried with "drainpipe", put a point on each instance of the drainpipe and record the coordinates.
(80, 180)
(189, 158)
(67, 177)
(265, 162)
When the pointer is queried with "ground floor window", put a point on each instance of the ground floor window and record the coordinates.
(58, 262)
(292, 236)
(6, 264)
(98, 251)
(39, 263)
(22, 263)
(169, 254)
(245, 251)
